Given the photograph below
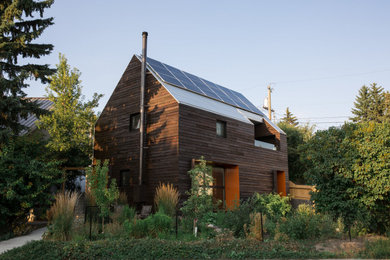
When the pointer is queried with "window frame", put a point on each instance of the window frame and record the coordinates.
(224, 128)
(131, 128)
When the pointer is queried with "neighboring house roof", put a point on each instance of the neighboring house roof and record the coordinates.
(197, 92)
(29, 122)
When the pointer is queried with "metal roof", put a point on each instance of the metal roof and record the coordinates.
(207, 103)
(29, 122)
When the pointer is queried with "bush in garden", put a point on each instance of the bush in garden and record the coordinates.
(272, 205)
(122, 199)
(61, 216)
(126, 213)
(304, 223)
(200, 201)
(152, 226)
(98, 184)
(166, 199)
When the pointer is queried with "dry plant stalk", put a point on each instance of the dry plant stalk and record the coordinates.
(166, 198)
(61, 215)
(122, 200)
(255, 226)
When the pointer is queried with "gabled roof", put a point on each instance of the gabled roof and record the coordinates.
(200, 93)
(29, 122)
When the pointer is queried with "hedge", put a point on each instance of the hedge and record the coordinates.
(161, 249)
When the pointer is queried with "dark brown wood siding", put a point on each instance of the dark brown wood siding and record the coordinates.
(176, 134)
(197, 137)
(114, 140)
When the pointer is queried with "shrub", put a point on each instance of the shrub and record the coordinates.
(272, 205)
(126, 213)
(122, 199)
(166, 199)
(61, 216)
(200, 201)
(152, 226)
(255, 229)
(304, 223)
(239, 218)
(98, 184)
(377, 249)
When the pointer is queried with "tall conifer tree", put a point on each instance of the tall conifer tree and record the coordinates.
(370, 105)
(21, 23)
(289, 118)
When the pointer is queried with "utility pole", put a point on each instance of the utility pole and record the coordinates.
(269, 102)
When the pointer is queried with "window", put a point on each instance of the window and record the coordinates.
(221, 128)
(135, 121)
(124, 180)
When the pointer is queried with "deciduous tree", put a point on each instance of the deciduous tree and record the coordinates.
(71, 121)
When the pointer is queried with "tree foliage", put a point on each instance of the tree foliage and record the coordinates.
(104, 194)
(372, 104)
(25, 179)
(296, 137)
(370, 171)
(18, 31)
(200, 201)
(289, 118)
(71, 121)
(350, 167)
(327, 162)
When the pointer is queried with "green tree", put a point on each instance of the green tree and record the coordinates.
(370, 171)
(296, 137)
(289, 118)
(200, 200)
(328, 159)
(18, 31)
(370, 105)
(104, 195)
(71, 121)
(25, 179)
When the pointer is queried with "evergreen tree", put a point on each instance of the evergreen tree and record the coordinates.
(18, 30)
(289, 118)
(71, 121)
(370, 105)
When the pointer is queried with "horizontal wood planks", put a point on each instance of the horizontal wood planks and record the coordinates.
(176, 134)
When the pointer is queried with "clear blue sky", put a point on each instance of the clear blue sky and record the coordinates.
(317, 53)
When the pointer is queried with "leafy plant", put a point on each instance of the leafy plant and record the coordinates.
(61, 216)
(25, 180)
(200, 201)
(166, 199)
(152, 226)
(126, 213)
(98, 183)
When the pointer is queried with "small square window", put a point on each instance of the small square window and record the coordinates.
(124, 180)
(221, 128)
(135, 121)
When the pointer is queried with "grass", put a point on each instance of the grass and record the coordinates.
(166, 198)
(61, 216)
(379, 249)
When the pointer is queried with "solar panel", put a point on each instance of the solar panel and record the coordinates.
(201, 86)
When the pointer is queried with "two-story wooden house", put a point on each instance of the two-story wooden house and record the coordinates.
(188, 117)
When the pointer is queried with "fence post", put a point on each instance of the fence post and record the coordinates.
(261, 224)
(90, 224)
(176, 222)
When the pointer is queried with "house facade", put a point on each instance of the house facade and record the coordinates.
(188, 117)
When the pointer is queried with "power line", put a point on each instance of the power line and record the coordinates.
(324, 78)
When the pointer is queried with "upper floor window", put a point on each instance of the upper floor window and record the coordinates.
(135, 121)
(221, 128)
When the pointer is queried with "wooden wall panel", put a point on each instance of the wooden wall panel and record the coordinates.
(197, 135)
(114, 141)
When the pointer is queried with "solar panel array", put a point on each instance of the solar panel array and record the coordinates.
(201, 86)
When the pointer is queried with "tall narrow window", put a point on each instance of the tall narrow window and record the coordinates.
(134, 121)
(221, 128)
(124, 180)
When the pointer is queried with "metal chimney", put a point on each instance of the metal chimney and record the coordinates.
(142, 107)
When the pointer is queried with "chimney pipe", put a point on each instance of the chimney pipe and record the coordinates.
(142, 108)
